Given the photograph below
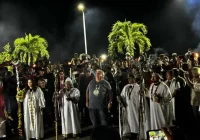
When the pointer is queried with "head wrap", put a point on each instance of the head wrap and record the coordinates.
(68, 80)
(174, 54)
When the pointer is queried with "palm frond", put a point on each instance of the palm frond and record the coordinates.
(124, 36)
(31, 46)
(7, 48)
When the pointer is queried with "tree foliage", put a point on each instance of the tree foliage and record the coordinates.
(6, 54)
(27, 49)
(125, 35)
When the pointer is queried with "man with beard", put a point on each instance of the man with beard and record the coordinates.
(130, 101)
(160, 103)
(176, 87)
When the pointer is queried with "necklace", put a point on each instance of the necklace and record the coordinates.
(31, 103)
(96, 91)
(130, 89)
(152, 94)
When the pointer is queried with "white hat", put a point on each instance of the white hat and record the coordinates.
(69, 81)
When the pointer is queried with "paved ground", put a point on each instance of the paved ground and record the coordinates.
(60, 138)
(50, 134)
(84, 136)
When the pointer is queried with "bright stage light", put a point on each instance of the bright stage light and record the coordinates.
(196, 56)
(103, 56)
(81, 7)
(69, 63)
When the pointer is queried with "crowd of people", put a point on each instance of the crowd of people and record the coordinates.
(149, 93)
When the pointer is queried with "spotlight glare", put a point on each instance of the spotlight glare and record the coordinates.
(81, 7)
(103, 56)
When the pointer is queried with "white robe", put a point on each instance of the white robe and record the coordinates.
(130, 122)
(2, 127)
(33, 124)
(70, 113)
(174, 86)
(160, 113)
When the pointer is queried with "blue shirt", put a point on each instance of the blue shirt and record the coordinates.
(99, 94)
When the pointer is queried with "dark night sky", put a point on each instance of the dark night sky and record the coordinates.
(61, 23)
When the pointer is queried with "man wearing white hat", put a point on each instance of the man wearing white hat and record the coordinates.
(69, 98)
(160, 104)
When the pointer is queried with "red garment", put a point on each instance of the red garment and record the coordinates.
(60, 97)
(2, 104)
(149, 83)
(31, 76)
(61, 84)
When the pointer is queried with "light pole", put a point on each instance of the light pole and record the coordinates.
(81, 8)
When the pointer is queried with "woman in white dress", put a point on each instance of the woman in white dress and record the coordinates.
(33, 104)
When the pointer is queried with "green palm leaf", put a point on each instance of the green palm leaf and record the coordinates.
(31, 46)
(124, 36)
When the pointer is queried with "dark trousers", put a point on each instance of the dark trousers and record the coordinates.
(98, 116)
(11, 107)
(48, 117)
(196, 114)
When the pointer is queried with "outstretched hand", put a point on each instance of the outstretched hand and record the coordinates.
(156, 99)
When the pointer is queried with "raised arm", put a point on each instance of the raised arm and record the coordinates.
(189, 83)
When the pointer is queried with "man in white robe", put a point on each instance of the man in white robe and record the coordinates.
(160, 103)
(69, 98)
(130, 101)
(33, 116)
(177, 84)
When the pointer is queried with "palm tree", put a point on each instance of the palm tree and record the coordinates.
(125, 35)
(6, 54)
(28, 48)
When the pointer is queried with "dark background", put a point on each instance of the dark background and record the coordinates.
(172, 24)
